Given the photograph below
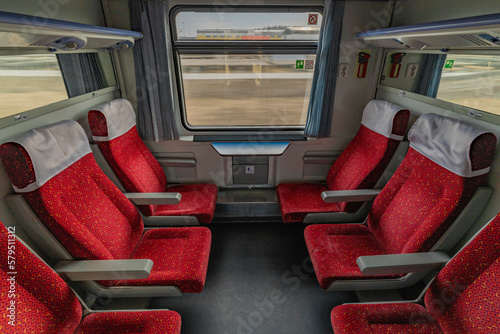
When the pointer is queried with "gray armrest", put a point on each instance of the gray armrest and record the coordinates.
(94, 270)
(358, 195)
(154, 198)
(401, 263)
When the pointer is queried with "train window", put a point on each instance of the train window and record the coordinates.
(245, 69)
(472, 81)
(29, 81)
(469, 80)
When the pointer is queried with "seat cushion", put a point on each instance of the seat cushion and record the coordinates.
(40, 294)
(464, 297)
(383, 318)
(335, 248)
(147, 322)
(298, 199)
(197, 200)
(179, 255)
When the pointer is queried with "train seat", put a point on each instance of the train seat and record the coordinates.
(35, 299)
(446, 163)
(462, 298)
(52, 167)
(358, 167)
(113, 128)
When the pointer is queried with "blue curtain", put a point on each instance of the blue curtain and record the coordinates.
(153, 60)
(81, 72)
(430, 75)
(319, 115)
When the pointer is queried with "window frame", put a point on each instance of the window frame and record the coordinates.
(221, 47)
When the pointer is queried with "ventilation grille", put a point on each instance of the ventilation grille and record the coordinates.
(46, 40)
(476, 40)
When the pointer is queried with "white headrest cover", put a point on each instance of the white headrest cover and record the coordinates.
(379, 116)
(120, 117)
(447, 142)
(52, 149)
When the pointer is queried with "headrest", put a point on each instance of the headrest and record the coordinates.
(379, 116)
(119, 116)
(52, 149)
(447, 142)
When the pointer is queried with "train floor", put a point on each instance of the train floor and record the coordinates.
(260, 280)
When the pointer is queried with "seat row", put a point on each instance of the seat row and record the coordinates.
(54, 170)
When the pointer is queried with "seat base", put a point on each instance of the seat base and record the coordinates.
(299, 199)
(383, 318)
(197, 200)
(335, 248)
(146, 322)
(179, 255)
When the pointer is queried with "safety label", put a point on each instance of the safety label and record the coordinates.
(313, 19)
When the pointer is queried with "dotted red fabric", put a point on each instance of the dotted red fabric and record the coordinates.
(180, 257)
(358, 167)
(93, 220)
(464, 296)
(335, 248)
(461, 299)
(139, 171)
(198, 200)
(298, 199)
(383, 318)
(412, 212)
(148, 322)
(44, 304)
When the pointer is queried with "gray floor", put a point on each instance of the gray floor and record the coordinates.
(259, 280)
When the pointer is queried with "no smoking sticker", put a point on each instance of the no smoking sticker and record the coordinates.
(313, 19)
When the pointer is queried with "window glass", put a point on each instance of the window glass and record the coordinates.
(468, 80)
(28, 82)
(247, 90)
(249, 26)
(35, 80)
(472, 81)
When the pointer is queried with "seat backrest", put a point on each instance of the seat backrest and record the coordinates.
(34, 299)
(364, 160)
(446, 162)
(54, 170)
(114, 130)
(464, 296)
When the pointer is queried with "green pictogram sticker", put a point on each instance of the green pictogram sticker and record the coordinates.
(449, 63)
(299, 64)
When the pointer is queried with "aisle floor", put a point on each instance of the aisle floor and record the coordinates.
(260, 280)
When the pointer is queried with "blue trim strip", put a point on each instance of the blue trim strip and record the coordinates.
(475, 21)
(42, 22)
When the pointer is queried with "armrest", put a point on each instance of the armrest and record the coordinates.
(154, 198)
(358, 195)
(401, 263)
(94, 270)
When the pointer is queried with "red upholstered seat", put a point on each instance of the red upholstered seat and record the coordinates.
(416, 206)
(43, 302)
(463, 298)
(359, 166)
(113, 128)
(55, 171)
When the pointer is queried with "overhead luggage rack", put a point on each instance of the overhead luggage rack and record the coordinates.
(26, 31)
(478, 32)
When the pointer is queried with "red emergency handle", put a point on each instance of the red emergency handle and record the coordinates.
(363, 64)
(396, 59)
